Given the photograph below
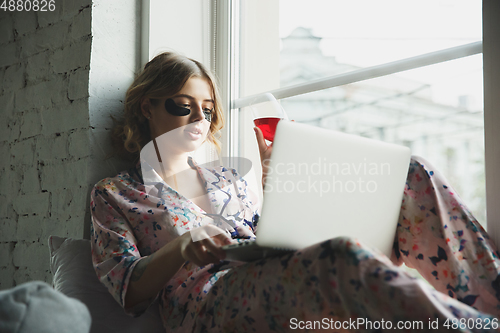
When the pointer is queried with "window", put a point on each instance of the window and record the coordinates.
(243, 39)
(436, 110)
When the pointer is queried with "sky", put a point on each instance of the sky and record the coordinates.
(371, 32)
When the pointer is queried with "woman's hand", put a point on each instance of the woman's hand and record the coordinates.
(150, 274)
(265, 152)
(207, 249)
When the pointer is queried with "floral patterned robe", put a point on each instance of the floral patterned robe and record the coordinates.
(338, 284)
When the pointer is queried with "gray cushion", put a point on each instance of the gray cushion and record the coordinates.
(37, 307)
(74, 275)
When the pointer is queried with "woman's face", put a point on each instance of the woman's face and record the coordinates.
(182, 133)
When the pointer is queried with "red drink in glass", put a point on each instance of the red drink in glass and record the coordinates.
(268, 126)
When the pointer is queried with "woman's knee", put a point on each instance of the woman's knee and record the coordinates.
(339, 247)
(420, 169)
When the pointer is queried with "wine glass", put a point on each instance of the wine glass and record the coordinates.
(267, 114)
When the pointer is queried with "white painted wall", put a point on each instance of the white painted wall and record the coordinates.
(115, 58)
(181, 26)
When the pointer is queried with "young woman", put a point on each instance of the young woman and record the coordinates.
(145, 249)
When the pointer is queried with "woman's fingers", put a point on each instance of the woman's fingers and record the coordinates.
(200, 255)
(265, 152)
(213, 248)
(261, 142)
(190, 254)
(207, 247)
(223, 239)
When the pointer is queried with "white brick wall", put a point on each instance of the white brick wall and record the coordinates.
(44, 134)
(55, 102)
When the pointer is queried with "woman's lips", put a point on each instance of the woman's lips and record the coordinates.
(194, 134)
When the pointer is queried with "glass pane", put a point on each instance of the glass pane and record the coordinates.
(436, 110)
(363, 33)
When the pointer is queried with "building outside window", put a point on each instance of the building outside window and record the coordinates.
(441, 123)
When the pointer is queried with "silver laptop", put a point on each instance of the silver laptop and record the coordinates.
(324, 184)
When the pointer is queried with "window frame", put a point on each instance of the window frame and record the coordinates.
(491, 80)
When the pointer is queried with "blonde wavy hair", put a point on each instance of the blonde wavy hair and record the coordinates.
(163, 76)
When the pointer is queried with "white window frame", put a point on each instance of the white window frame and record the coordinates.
(364, 74)
(226, 62)
(491, 79)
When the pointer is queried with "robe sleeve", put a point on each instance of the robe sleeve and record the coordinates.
(114, 249)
